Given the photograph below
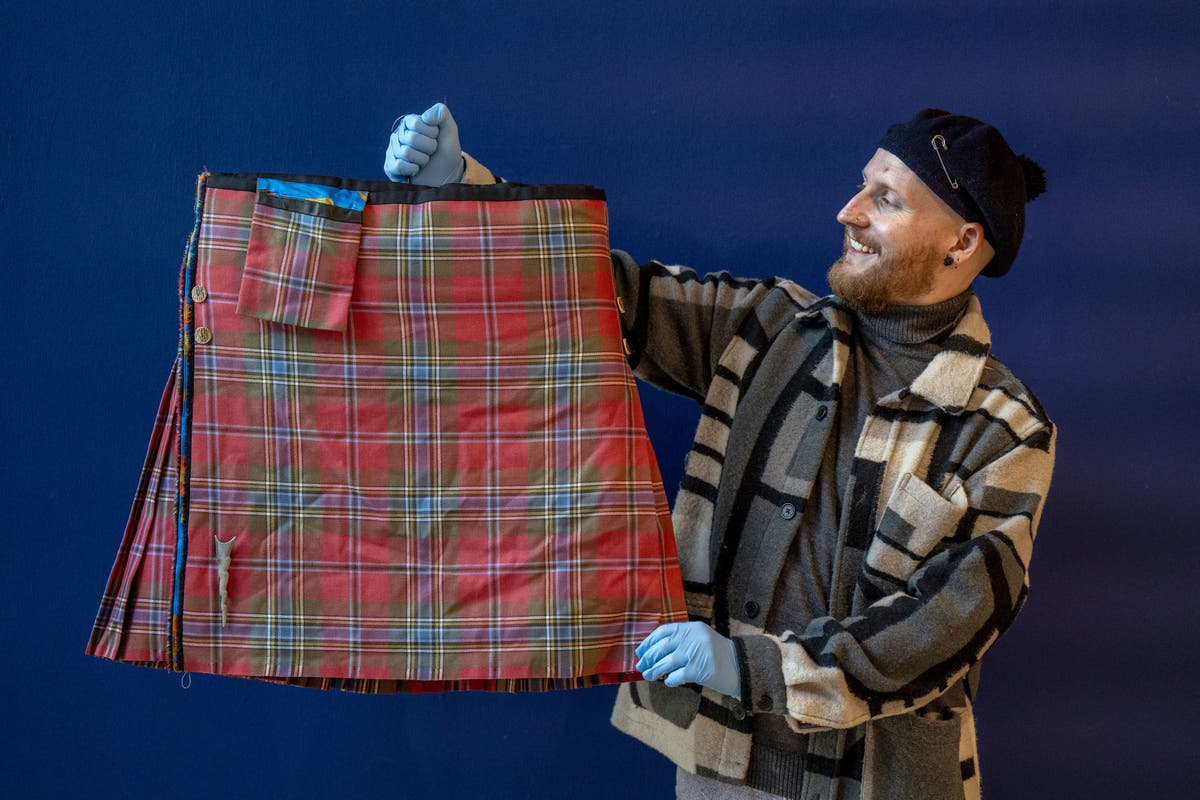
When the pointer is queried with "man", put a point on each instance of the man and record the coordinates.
(857, 512)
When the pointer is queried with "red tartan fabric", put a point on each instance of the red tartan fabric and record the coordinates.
(455, 491)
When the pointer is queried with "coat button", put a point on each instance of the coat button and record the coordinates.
(738, 711)
(199, 294)
(822, 412)
(752, 608)
(764, 702)
(787, 511)
(203, 335)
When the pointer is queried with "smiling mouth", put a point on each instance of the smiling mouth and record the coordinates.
(855, 244)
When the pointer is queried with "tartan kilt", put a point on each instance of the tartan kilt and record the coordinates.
(400, 449)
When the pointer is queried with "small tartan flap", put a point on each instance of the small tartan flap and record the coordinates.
(302, 254)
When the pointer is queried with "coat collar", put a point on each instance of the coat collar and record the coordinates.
(950, 378)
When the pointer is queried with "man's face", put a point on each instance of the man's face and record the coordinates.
(897, 234)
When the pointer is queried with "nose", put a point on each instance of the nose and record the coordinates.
(851, 213)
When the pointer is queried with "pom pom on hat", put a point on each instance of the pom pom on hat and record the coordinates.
(1035, 177)
(968, 164)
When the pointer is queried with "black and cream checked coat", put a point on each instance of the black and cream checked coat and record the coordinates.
(946, 489)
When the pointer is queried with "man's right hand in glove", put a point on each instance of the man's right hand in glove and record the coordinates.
(424, 148)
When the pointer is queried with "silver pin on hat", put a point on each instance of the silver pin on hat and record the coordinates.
(938, 138)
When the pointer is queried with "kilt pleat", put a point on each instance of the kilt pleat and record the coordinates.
(414, 454)
(134, 611)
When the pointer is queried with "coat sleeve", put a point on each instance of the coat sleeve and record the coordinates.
(677, 324)
(910, 646)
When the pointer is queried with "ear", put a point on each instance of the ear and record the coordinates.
(970, 241)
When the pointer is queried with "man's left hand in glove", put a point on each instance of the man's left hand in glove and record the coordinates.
(690, 652)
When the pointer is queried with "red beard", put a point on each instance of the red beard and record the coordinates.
(901, 273)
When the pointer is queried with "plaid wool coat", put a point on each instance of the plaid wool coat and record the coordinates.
(946, 491)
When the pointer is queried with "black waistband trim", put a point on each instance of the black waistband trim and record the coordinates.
(388, 193)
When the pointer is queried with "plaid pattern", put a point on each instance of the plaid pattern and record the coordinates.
(301, 258)
(455, 493)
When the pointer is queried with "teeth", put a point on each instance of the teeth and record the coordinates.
(859, 246)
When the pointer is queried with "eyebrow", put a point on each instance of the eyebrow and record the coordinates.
(879, 181)
(887, 186)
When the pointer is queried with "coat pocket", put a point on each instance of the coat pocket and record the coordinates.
(302, 254)
(915, 521)
(914, 757)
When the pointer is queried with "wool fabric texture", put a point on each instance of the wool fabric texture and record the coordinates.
(400, 448)
(946, 489)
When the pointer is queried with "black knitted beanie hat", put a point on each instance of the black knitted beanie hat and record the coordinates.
(968, 164)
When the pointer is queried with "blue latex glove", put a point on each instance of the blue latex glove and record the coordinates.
(690, 652)
(424, 148)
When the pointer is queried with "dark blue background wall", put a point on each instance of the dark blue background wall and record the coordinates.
(725, 139)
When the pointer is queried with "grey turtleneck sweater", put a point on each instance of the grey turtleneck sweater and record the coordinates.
(890, 349)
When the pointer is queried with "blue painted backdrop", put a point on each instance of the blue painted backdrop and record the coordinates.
(726, 138)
